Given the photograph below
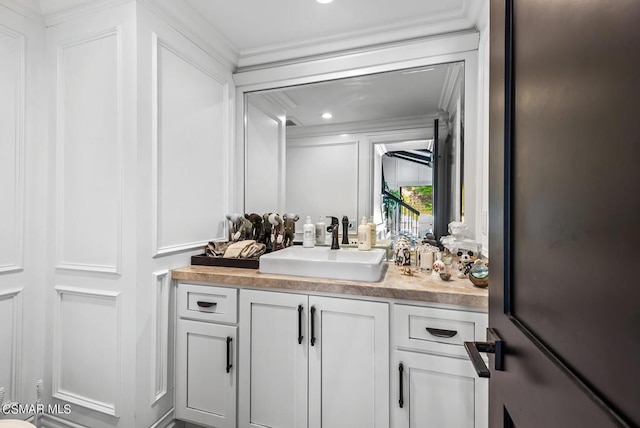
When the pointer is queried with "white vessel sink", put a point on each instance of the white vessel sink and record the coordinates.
(323, 262)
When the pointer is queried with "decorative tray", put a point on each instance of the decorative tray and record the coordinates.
(204, 260)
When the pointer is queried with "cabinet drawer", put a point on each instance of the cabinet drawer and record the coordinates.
(202, 302)
(438, 330)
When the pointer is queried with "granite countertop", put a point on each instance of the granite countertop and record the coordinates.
(394, 285)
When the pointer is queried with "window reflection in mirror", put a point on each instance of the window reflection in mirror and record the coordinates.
(359, 147)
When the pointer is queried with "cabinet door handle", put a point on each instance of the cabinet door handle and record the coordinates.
(313, 325)
(204, 304)
(300, 336)
(438, 332)
(493, 345)
(401, 400)
(229, 365)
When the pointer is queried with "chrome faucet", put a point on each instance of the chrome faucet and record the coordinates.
(333, 229)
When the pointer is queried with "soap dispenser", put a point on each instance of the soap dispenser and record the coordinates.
(321, 227)
(373, 228)
(364, 235)
(308, 234)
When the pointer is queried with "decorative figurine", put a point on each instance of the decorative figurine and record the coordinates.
(402, 252)
(267, 230)
(289, 228)
(257, 227)
(237, 231)
(277, 232)
(465, 260)
(438, 266)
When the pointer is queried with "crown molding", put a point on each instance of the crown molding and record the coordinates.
(186, 20)
(269, 56)
(86, 8)
(369, 126)
(28, 8)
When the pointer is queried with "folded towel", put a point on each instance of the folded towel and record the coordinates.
(244, 249)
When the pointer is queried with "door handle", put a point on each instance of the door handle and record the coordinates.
(229, 365)
(493, 345)
(313, 326)
(300, 336)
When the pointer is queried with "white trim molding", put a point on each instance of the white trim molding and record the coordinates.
(61, 263)
(48, 420)
(86, 7)
(166, 421)
(156, 43)
(160, 335)
(15, 294)
(19, 126)
(111, 409)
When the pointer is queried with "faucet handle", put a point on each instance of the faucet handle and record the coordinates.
(334, 220)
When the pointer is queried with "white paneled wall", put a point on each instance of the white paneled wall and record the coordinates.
(87, 353)
(131, 181)
(22, 183)
(12, 94)
(10, 336)
(93, 162)
(89, 146)
(192, 124)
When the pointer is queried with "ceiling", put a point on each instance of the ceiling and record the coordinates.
(262, 31)
(262, 27)
(400, 94)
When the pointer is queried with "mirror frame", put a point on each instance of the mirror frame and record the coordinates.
(409, 54)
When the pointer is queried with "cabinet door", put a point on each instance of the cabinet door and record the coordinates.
(273, 359)
(206, 388)
(348, 363)
(438, 392)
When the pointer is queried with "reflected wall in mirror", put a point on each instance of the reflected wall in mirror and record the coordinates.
(386, 146)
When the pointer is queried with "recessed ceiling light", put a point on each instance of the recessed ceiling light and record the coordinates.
(327, 115)
(324, 1)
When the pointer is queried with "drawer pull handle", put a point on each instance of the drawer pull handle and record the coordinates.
(313, 326)
(438, 332)
(401, 400)
(300, 325)
(204, 304)
(229, 365)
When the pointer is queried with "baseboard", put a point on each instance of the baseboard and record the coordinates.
(166, 421)
(51, 421)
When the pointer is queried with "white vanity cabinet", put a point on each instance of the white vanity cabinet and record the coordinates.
(433, 383)
(206, 356)
(313, 361)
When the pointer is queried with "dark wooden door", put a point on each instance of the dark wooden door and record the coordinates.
(565, 212)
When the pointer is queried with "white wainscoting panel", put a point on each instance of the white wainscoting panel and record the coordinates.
(89, 145)
(190, 150)
(160, 335)
(87, 357)
(12, 112)
(11, 342)
(336, 193)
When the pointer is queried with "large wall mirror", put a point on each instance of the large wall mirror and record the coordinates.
(386, 146)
